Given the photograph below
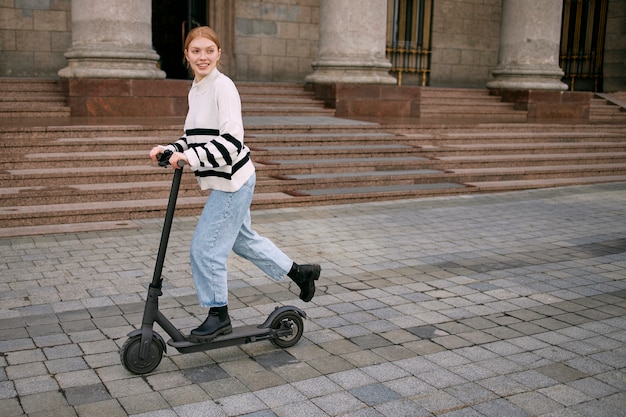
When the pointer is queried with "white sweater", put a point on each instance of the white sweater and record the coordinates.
(213, 139)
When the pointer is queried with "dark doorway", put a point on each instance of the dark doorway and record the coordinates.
(171, 20)
(582, 43)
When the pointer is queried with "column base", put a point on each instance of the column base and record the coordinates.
(352, 72)
(527, 79)
(137, 64)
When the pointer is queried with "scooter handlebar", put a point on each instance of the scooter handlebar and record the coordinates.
(164, 159)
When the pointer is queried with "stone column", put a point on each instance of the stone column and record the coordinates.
(530, 35)
(352, 43)
(111, 39)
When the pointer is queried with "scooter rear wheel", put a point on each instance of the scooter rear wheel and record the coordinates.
(292, 320)
(129, 355)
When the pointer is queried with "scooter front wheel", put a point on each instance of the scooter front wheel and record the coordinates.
(129, 355)
(288, 320)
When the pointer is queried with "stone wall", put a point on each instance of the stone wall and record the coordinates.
(275, 40)
(615, 47)
(465, 42)
(34, 35)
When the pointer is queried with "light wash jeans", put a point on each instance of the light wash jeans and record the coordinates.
(224, 225)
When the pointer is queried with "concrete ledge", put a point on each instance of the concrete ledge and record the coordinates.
(546, 105)
(126, 97)
(370, 100)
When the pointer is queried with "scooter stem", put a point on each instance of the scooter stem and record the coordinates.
(167, 227)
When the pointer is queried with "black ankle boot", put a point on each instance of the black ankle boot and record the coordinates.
(305, 276)
(216, 323)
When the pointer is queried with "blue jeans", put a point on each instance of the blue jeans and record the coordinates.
(224, 225)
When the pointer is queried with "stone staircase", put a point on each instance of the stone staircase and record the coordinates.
(608, 107)
(467, 103)
(63, 177)
(21, 98)
(279, 99)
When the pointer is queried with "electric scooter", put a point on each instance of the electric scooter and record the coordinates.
(143, 350)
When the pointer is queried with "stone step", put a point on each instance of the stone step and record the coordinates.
(466, 103)
(28, 96)
(471, 175)
(523, 148)
(529, 160)
(23, 98)
(269, 89)
(457, 113)
(575, 134)
(286, 110)
(31, 106)
(123, 211)
(21, 85)
(34, 113)
(257, 99)
(107, 158)
(603, 109)
(525, 184)
(62, 176)
(335, 150)
(438, 92)
(94, 192)
(317, 131)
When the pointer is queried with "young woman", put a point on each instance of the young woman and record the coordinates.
(213, 147)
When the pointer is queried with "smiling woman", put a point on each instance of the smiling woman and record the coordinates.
(202, 51)
(213, 147)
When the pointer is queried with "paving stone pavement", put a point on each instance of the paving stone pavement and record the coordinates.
(510, 304)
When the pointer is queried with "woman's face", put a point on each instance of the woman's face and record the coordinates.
(202, 55)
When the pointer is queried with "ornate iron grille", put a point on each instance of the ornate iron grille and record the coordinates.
(582, 43)
(409, 37)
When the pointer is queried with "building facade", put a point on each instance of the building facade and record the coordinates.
(458, 43)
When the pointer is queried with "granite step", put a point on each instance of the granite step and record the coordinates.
(100, 174)
(27, 98)
(530, 160)
(471, 175)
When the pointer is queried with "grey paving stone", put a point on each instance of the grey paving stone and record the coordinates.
(439, 402)
(198, 409)
(464, 412)
(86, 394)
(565, 395)
(110, 408)
(561, 373)
(441, 378)
(317, 387)
(501, 407)
(338, 403)
(205, 373)
(280, 396)
(351, 379)
(593, 387)
(374, 394)
(471, 393)
(143, 403)
(402, 408)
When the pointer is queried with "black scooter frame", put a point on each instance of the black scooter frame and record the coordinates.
(143, 350)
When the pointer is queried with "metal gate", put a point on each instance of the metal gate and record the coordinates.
(582, 43)
(408, 38)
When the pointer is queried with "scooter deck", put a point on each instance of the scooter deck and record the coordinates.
(240, 335)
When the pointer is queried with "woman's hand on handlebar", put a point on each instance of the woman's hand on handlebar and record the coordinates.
(155, 152)
(176, 160)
